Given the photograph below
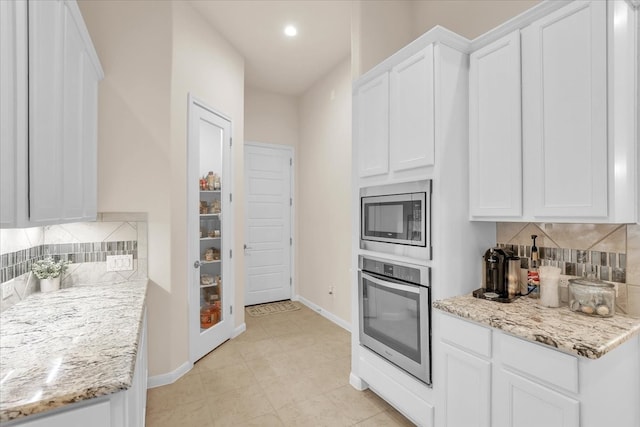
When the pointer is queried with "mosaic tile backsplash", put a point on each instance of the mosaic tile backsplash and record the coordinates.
(86, 245)
(576, 262)
(609, 252)
(17, 263)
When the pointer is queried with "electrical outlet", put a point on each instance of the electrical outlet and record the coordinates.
(119, 262)
(7, 290)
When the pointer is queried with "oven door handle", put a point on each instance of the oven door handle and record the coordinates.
(390, 283)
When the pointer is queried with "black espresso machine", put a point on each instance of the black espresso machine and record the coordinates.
(496, 276)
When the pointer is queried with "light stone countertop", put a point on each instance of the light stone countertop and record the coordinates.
(574, 333)
(70, 345)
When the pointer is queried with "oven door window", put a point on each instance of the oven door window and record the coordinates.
(392, 317)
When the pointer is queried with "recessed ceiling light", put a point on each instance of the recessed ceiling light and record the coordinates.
(290, 31)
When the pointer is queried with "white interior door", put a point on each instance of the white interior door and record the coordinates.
(268, 236)
(210, 228)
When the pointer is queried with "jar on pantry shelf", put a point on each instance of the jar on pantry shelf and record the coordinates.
(592, 297)
(210, 180)
(206, 316)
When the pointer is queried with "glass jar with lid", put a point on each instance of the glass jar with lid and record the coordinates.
(592, 297)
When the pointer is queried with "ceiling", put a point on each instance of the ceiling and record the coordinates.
(273, 61)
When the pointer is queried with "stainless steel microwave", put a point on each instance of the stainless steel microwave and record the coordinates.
(396, 219)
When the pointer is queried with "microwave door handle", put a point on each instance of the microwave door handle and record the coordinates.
(392, 285)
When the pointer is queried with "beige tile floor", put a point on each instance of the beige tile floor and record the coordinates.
(287, 369)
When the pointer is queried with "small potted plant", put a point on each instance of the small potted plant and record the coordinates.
(49, 273)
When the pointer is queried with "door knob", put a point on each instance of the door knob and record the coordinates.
(196, 264)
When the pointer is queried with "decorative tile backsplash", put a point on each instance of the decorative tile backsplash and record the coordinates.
(85, 244)
(17, 263)
(576, 262)
(608, 251)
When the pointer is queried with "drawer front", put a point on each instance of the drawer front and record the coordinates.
(466, 335)
(546, 364)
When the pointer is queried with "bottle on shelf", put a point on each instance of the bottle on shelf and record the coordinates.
(533, 276)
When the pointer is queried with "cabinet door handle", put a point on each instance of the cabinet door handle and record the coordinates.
(196, 264)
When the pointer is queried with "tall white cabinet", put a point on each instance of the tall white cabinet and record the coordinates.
(49, 154)
(427, 139)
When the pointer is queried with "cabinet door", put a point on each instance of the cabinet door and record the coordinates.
(46, 53)
(62, 117)
(564, 112)
(495, 142)
(519, 402)
(13, 110)
(412, 112)
(467, 389)
(372, 127)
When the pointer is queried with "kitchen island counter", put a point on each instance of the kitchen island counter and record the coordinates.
(560, 328)
(68, 346)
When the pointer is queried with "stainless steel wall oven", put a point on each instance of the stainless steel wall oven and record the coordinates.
(396, 219)
(395, 312)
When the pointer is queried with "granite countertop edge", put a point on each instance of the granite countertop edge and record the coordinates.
(558, 328)
(107, 345)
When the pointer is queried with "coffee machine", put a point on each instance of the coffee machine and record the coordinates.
(494, 277)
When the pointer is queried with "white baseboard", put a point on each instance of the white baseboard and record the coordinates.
(238, 330)
(170, 377)
(330, 316)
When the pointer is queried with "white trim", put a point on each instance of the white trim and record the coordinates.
(170, 377)
(324, 313)
(292, 220)
(238, 330)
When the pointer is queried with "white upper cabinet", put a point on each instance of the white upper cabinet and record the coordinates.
(58, 183)
(564, 97)
(578, 123)
(394, 119)
(13, 111)
(372, 126)
(495, 143)
(412, 112)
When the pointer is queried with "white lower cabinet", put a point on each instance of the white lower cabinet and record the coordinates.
(520, 402)
(467, 389)
(490, 378)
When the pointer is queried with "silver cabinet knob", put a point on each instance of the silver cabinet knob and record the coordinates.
(196, 264)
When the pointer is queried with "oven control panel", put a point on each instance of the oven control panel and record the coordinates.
(406, 273)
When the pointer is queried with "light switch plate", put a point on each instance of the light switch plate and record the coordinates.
(119, 262)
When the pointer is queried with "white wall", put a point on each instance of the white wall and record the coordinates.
(270, 117)
(380, 28)
(324, 210)
(152, 53)
(469, 18)
(133, 41)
